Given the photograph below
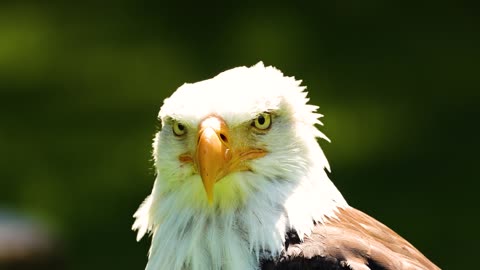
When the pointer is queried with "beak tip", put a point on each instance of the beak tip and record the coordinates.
(210, 199)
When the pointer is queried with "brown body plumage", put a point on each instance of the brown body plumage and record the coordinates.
(353, 240)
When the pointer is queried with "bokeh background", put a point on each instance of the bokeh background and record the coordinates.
(81, 85)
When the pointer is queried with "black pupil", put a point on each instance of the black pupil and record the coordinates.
(180, 126)
(261, 120)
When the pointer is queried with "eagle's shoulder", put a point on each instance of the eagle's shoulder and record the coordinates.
(352, 240)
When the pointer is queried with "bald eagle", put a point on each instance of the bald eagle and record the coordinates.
(241, 184)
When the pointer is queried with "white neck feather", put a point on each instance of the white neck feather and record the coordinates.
(208, 238)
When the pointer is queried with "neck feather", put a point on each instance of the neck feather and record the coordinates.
(209, 238)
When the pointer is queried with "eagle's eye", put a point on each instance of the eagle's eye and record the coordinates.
(263, 121)
(179, 129)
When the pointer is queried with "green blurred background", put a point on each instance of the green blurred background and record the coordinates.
(81, 85)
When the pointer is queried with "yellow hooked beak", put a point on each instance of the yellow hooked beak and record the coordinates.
(216, 156)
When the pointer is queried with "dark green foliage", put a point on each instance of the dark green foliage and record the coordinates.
(81, 85)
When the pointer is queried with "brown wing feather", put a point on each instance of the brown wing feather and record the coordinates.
(352, 240)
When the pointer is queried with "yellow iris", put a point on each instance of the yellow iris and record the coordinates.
(263, 121)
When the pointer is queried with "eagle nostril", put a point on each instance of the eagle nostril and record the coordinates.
(223, 137)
